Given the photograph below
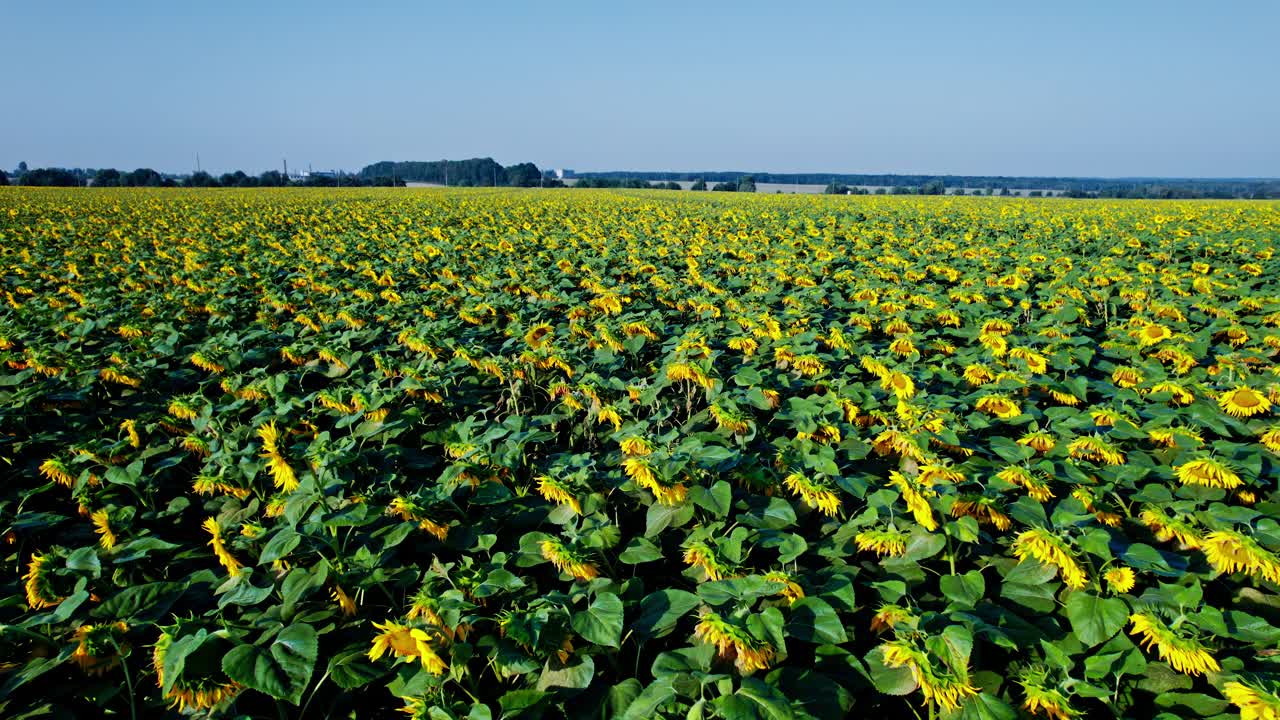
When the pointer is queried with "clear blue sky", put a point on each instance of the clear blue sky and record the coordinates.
(1119, 88)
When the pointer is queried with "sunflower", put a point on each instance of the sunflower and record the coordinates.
(1120, 579)
(39, 583)
(998, 405)
(1271, 439)
(201, 685)
(1126, 377)
(889, 616)
(1048, 549)
(557, 491)
(1178, 395)
(1254, 701)
(568, 560)
(98, 647)
(1167, 528)
(1041, 699)
(1038, 440)
(220, 548)
(1184, 654)
(734, 643)
(1207, 472)
(882, 542)
(916, 499)
(1229, 552)
(944, 687)
(900, 384)
(406, 643)
(700, 555)
(814, 493)
(1095, 449)
(102, 526)
(1152, 334)
(1243, 402)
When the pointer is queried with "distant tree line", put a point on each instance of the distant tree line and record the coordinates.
(627, 183)
(1173, 188)
(476, 172)
(146, 177)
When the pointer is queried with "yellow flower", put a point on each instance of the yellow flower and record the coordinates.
(1229, 552)
(609, 414)
(1207, 472)
(1243, 402)
(1120, 579)
(882, 542)
(345, 603)
(641, 473)
(813, 493)
(1035, 487)
(946, 689)
(1184, 654)
(557, 492)
(699, 554)
(734, 643)
(569, 561)
(888, 616)
(97, 647)
(539, 335)
(1167, 528)
(1048, 549)
(981, 509)
(198, 694)
(102, 526)
(281, 473)
(1046, 701)
(916, 500)
(1095, 449)
(1179, 394)
(900, 384)
(998, 405)
(1126, 377)
(219, 547)
(791, 590)
(406, 642)
(56, 471)
(39, 588)
(1254, 702)
(1038, 440)
(636, 446)
(1152, 334)
(1271, 439)
(978, 375)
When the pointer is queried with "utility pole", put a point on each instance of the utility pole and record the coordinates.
(286, 170)
(197, 162)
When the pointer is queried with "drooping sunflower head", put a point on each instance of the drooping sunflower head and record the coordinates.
(1243, 402)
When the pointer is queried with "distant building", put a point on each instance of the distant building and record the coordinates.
(563, 173)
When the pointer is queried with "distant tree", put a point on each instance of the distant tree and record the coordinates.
(933, 187)
(142, 177)
(958, 191)
(22, 168)
(272, 178)
(835, 188)
(520, 175)
(1004, 192)
(668, 185)
(1034, 193)
(698, 184)
(49, 177)
(881, 191)
(747, 183)
(107, 177)
(900, 190)
(201, 179)
(724, 187)
(4, 178)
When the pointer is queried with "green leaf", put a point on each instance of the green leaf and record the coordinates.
(575, 677)
(715, 499)
(283, 671)
(659, 612)
(1095, 619)
(601, 622)
(719, 592)
(279, 546)
(638, 551)
(813, 620)
(963, 590)
(141, 602)
(645, 706)
(351, 669)
(890, 681)
(518, 702)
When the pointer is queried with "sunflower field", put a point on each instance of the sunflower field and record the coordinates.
(641, 455)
